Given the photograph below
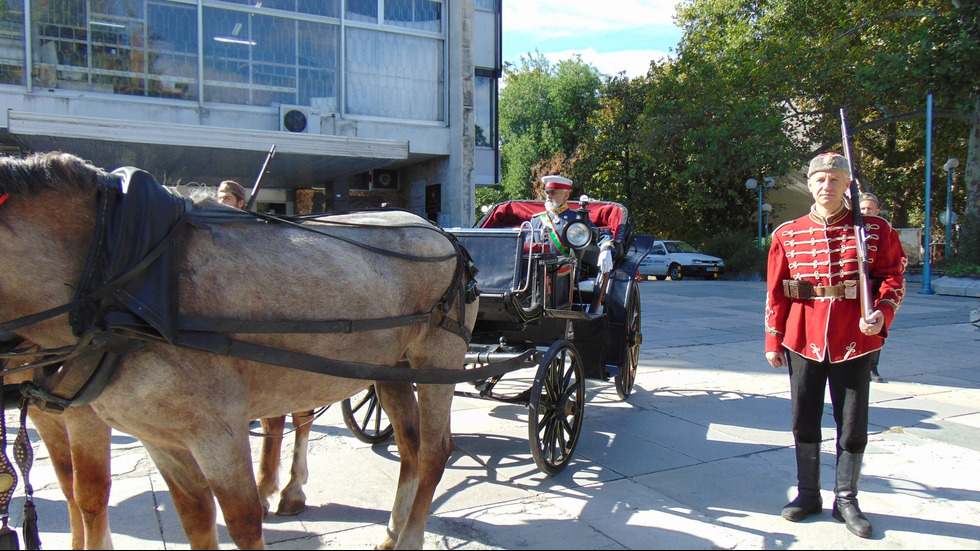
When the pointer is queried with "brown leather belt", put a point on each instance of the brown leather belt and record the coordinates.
(793, 288)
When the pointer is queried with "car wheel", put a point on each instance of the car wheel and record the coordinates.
(675, 272)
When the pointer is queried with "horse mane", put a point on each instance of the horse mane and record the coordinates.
(52, 171)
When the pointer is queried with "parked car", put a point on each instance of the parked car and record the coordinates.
(677, 259)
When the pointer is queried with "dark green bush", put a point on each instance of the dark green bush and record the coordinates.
(740, 251)
(957, 267)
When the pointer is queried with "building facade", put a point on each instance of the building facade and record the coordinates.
(363, 101)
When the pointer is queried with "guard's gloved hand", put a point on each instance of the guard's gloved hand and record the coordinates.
(605, 261)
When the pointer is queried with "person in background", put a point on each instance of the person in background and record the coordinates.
(815, 327)
(871, 207)
(231, 193)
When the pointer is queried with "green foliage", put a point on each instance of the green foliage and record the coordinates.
(487, 197)
(740, 251)
(964, 269)
(754, 90)
(544, 114)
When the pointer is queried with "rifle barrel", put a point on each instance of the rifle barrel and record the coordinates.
(860, 234)
(258, 179)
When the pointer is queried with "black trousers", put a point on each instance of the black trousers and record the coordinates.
(849, 383)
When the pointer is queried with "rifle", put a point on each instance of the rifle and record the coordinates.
(860, 233)
(258, 179)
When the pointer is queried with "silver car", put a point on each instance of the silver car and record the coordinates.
(677, 259)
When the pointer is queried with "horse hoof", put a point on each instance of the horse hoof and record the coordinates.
(290, 508)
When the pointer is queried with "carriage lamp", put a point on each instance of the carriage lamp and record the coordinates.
(577, 234)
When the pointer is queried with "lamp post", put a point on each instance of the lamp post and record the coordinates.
(751, 184)
(766, 208)
(927, 265)
(951, 163)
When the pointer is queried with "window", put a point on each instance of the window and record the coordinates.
(262, 60)
(326, 8)
(395, 75)
(362, 10)
(485, 103)
(425, 15)
(12, 42)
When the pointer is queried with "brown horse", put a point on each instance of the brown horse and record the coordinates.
(191, 407)
(78, 444)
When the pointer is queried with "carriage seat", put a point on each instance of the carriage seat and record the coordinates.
(512, 214)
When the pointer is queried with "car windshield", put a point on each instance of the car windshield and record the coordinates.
(679, 247)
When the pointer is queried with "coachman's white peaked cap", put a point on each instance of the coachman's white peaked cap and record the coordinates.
(556, 182)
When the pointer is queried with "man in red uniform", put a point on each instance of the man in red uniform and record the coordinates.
(814, 326)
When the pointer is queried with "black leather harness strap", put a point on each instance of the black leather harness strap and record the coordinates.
(400, 372)
(224, 325)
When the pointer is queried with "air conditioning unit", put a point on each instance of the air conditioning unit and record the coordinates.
(299, 119)
(384, 179)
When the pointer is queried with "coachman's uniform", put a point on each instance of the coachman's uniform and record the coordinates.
(812, 304)
(554, 224)
(550, 227)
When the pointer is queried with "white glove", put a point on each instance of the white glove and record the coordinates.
(605, 262)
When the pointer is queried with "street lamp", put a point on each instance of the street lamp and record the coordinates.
(751, 184)
(950, 218)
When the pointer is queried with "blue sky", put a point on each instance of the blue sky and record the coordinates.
(613, 35)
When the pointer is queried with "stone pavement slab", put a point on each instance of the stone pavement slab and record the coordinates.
(699, 457)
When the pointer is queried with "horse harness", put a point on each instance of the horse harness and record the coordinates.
(126, 298)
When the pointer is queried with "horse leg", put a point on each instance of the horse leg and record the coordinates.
(90, 439)
(190, 492)
(78, 443)
(54, 434)
(273, 429)
(292, 500)
(398, 401)
(226, 461)
(434, 451)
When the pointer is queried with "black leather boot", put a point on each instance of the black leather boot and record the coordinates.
(808, 501)
(846, 507)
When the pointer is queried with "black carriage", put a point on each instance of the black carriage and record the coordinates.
(589, 329)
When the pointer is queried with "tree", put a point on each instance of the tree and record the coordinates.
(544, 114)
(878, 58)
(611, 156)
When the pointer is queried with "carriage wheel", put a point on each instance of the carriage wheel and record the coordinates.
(556, 407)
(365, 418)
(634, 337)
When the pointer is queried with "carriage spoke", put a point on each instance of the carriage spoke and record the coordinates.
(365, 417)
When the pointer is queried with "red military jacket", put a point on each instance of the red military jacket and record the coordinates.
(824, 252)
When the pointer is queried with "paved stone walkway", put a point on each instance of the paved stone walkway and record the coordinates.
(700, 457)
